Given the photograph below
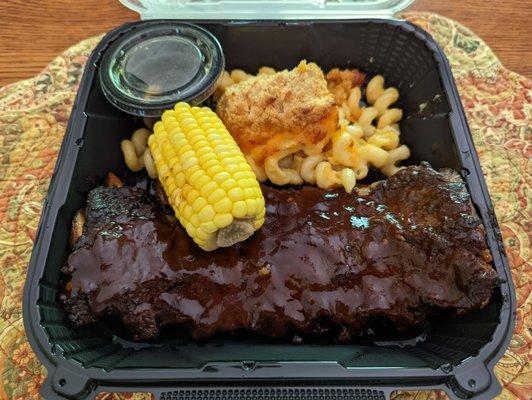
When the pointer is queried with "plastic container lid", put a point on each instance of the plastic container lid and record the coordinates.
(261, 9)
(148, 70)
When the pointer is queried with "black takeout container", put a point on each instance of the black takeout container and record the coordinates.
(456, 354)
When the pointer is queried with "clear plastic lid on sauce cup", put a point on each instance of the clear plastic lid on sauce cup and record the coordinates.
(148, 70)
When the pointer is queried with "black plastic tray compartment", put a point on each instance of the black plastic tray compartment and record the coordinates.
(457, 354)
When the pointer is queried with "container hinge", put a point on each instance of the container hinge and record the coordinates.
(474, 381)
(66, 384)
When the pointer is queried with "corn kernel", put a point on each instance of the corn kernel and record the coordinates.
(171, 125)
(236, 194)
(167, 148)
(201, 181)
(232, 168)
(211, 227)
(190, 229)
(198, 204)
(167, 114)
(176, 197)
(203, 244)
(195, 220)
(204, 151)
(221, 177)
(215, 169)
(186, 189)
(225, 157)
(228, 140)
(207, 213)
(213, 134)
(223, 220)
(196, 175)
(216, 196)
(249, 193)
(181, 106)
(258, 193)
(158, 127)
(180, 179)
(163, 171)
(208, 189)
(223, 206)
(211, 162)
(239, 209)
(222, 148)
(199, 144)
(178, 141)
(191, 171)
(216, 143)
(174, 165)
(243, 175)
(189, 162)
(192, 196)
(244, 166)
(195, 133)
(170, 185)
(187, 214)
(202, 235)
(228, 185)
(202, 119)
(185, 151)
(251, 206)
(187, 122)
(176, 135)
(248, 183)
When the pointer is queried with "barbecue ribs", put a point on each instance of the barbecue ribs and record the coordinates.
(323, 260)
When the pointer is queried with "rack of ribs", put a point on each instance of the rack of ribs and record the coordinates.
(324, 261)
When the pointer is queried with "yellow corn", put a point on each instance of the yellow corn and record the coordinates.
(212, 189)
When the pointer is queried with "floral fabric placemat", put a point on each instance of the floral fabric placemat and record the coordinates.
(34, 115)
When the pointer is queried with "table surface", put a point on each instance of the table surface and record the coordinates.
(32, 32)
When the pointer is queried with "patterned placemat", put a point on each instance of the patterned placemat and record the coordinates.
(34, 114)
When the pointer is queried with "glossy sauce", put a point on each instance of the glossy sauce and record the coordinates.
(321, 259)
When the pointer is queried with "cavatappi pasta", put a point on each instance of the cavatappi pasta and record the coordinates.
(137, 154)
(367, 136)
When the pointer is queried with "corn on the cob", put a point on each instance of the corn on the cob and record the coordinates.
(211, 187)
